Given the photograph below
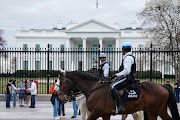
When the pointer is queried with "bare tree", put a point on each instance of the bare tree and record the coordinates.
(2, 40)
(161, 21)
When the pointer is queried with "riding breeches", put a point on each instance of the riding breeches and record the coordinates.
(120, 84)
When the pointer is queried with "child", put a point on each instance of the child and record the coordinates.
(21, 86)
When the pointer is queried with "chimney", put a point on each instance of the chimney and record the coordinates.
(59, 25)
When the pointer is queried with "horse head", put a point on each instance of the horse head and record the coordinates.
(65, 85)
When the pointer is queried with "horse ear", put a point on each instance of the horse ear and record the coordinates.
(61, 73)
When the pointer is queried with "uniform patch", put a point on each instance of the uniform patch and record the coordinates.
(106, 66)
(126, 60)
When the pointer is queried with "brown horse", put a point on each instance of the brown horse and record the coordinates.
(154, 98)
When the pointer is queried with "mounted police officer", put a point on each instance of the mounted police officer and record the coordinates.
(125, 76)
(104, 66)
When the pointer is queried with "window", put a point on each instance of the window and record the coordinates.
(37, 47)
(62, 65)
(109, 48)
(25, 47)
(50, 47)
(140, 46)
(166, 68)
(37, 65)
(80, 47)
(50, 65)
(95, 48)
(25, 65)
(62, 47)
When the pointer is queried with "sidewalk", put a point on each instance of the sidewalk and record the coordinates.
(43, 111)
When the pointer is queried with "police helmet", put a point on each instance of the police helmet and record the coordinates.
(102, 55)
(126, 47)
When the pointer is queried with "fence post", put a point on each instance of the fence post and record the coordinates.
(99, 56)
(151, 63)
(48, 70)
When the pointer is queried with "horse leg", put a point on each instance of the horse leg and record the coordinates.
(124, 116)
(135, 116)
(94, 115)
(140, 115)
(106, 117)
(164, 114)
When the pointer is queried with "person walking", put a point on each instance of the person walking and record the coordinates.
(14, 92)
(54, 100)
(33, 90)
(8, 93)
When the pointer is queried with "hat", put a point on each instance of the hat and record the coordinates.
(102, 55)
(126, 45)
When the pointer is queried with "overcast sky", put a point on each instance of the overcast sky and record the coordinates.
(46, 13)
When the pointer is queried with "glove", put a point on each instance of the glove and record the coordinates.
(114, 76)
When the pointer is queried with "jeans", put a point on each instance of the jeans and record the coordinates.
(177, 94)
(15, 98)
(61, 110)
(32, 100)
(74, 108)
(55, 107)
(8, 99)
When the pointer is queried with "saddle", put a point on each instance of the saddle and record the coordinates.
(131, 92)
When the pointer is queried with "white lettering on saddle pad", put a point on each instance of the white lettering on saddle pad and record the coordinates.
(132, 94)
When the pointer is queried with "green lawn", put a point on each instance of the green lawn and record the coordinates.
(42, 87)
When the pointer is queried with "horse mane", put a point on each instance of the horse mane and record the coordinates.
(86, 76)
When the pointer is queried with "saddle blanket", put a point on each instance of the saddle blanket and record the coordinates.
(131, 92)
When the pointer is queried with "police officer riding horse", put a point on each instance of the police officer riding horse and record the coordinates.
(104, 66)
(126, 75)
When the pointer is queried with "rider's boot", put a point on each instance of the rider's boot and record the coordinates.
(119, 104)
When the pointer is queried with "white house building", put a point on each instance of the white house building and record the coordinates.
(86, 35)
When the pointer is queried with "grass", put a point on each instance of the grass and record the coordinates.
(42, 87)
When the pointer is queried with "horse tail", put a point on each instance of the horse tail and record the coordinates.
(172, 103)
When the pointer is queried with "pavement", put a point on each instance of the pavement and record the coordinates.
(43, 111)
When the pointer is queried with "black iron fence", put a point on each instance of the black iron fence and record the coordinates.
(27, 63)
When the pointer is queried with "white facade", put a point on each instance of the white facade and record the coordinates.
(87, 35)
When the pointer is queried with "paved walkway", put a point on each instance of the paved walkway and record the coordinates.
(43, 111)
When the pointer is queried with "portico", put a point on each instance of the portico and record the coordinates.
(89, 35)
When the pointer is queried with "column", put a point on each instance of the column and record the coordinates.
(100, 43)
(84, 55)
(67, 60)
(117, 55)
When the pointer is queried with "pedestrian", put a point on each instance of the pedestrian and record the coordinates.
(14, 92)
(168, 84)
(8, 93)
(33, 90)
(28, 92)
(177, 89)
(35, 80)
(21, 87)
(54, 100)
(61, 111)
(74, 107)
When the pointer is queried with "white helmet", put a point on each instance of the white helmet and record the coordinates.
(102, 55)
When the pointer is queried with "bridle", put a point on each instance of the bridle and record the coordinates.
(79, 93)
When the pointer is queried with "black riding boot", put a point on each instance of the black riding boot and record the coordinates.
(119, 104)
